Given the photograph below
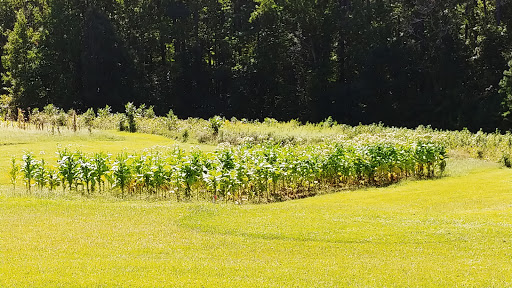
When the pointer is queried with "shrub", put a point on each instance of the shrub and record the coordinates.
(88, 118)
(172, 120)
(72, 116)
(51, 114)
(328, 122)
(149, 112)
(185, 135)
(506, 160)
(215, 124)
(131, 113)
(105, 112)
(122, 123)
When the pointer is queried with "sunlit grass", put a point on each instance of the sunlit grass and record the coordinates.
(447, 232)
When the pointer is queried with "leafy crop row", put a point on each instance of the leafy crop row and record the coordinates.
(245, 173)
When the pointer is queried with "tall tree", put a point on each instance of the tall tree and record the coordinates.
(7, 19)
(401, 62)
(22, 60)
(60, 51)
(105, 65)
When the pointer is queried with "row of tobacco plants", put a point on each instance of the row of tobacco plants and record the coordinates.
(255, 173)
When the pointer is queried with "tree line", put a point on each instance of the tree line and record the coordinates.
(400, 62)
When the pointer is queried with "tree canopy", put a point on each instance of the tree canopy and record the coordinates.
(400, 62)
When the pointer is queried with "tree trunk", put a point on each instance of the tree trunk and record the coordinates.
(498, 12)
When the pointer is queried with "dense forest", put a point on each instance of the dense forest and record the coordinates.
(399, 62)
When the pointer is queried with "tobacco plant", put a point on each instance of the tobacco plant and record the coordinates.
(13, 173)
(86, 169)
(121, 172)
(29, 166)
(68, 168)
(40, 174)
(100, 169)
(266, 172)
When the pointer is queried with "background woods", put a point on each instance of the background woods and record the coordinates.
(399, 62)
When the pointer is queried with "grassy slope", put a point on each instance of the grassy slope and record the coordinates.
(453, 231)
(448, 232)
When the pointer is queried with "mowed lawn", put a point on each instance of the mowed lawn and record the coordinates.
(454, 231)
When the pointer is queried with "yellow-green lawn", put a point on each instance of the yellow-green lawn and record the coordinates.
(449, 232)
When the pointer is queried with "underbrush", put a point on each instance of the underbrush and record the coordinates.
(217, 130)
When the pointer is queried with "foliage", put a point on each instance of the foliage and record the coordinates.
(22, 60)
(68, 168)
(100, 168)
(13, 172)
(41, 175)
(506, 160)
(172, 120)
(131, 113)
(28, 168)
(246, 173)
(399, 62)
(262, 161)
(506, 91)
(121, 173)
(6, 108)
(86, 172)
(194, 130)
(88, 118)
(104, 112)
(216, 124)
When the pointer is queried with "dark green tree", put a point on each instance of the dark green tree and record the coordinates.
(21, 61)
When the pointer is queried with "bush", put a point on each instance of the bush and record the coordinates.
(216, 124)
(172, 120)
(185, 135)
(328, 122)
(131, 113)
(506, 160)
(88, 118)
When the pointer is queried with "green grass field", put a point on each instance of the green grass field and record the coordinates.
(449, 232)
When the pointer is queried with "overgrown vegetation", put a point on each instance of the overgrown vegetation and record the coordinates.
(218, 130)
